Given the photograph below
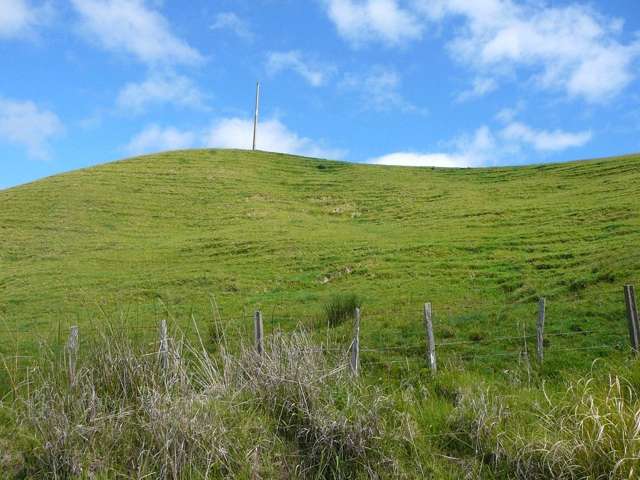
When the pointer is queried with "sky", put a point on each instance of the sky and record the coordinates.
(453, 83)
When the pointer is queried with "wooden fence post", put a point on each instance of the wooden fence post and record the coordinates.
(258, 329)
(632, 316)
(542, 307)
(355, 346)
(636, 320)
(72, 353)
(431, 344)
(163, 352)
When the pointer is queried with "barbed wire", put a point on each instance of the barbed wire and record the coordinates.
(12, 364)
(155, 329)
(58, 332)
(420, 347)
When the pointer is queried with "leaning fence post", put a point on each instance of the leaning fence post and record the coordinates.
(431, 344)
(163, 352)
(355, 346)
(258, 329)
(632, 316)
(72, 353)
(542, 304)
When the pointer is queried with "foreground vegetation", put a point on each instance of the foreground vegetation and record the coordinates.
(296, 412)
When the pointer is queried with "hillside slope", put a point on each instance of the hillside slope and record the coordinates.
(283, 233)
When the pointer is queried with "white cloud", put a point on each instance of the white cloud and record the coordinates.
(385, 21)
(273, 136)
(485, 148)
(315, 74)
(480, 87)
(571, 48)
(131, 26)
(24, 123)
(379, 89)
(161, 89)
(467, 151)
(19, 18)
(155, 138)
(544, 140)
(507, 115)
(412, 159)
(232, 22)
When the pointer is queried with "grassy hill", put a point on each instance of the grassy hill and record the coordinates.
(194, 236)
(158, 235)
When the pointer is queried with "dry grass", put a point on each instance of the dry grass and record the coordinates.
(592, 432)
(125, 414)
(292, 413)
(296, 412)
(338, 426)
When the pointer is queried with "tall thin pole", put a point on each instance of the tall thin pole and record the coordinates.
(255, 118)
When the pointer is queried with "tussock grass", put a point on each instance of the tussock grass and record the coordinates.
(340, 427)
(340, 307)
(292, 413)
(592, 431)
(295, 412)
(126, 415)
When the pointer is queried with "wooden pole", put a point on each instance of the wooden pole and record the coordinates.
(634, 308)
(256, 115)
(542, 305)
(355, 346)
(258, 329)
(163, 352)
(72, 353)
(632, 316)
(431, 344)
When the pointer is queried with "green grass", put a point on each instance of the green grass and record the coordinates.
(340, 308)
(194, 236)
(158, 235)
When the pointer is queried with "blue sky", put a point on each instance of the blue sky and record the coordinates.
(404, 82)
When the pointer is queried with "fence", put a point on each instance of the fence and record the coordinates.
(430, 348)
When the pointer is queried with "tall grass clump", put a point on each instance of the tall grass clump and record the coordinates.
(477, 427)
(340, 308)
(125, 415)
(292, 412)
(593, 432)
(341, 429)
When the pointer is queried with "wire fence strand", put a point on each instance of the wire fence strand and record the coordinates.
(466, 349)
